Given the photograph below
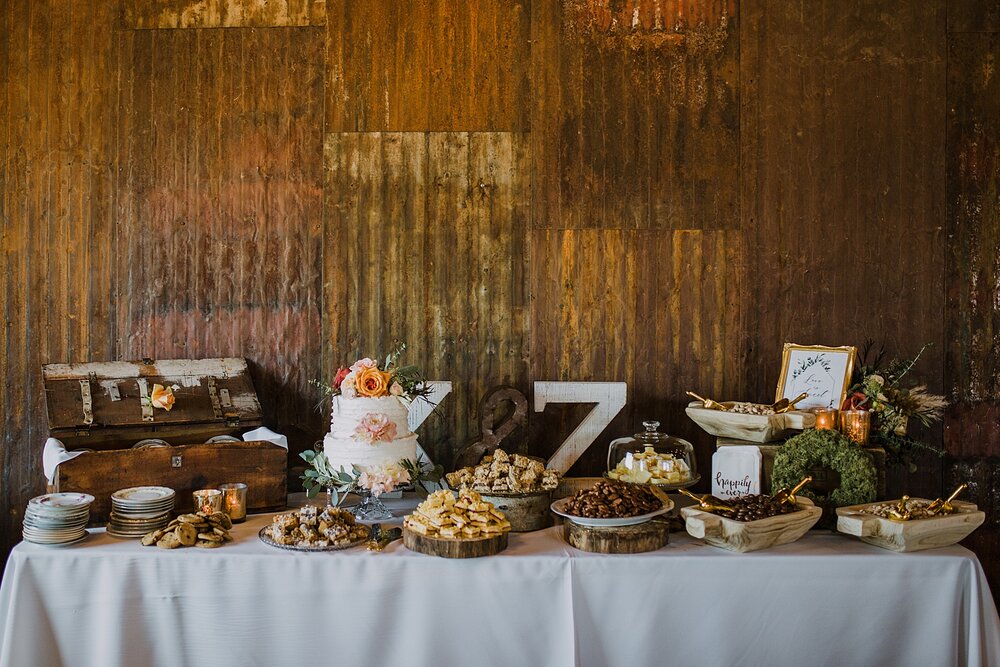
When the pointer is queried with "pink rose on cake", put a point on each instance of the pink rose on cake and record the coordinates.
(383, 478)
(363, 363)
(375, 426)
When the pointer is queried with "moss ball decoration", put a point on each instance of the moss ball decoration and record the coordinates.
(826, 449)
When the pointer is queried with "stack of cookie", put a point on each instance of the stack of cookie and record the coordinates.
(200, 530)
(468, 517)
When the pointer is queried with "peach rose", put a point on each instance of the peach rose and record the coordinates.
(162, 397)
(372, 382)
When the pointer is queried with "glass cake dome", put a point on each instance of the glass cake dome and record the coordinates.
(652, 457)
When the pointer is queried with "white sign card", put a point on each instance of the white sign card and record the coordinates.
(736, 471)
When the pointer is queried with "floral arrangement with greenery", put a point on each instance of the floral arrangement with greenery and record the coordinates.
(376, 479)
(878, 386)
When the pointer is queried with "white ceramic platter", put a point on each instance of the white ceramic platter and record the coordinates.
(559, 507)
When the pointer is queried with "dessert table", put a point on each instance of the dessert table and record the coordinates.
(825, 600)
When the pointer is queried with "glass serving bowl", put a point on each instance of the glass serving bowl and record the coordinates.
(652, 457)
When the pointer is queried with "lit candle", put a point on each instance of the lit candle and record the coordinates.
(208, 501)
(826, 418)
(235, 501)
(856, 425)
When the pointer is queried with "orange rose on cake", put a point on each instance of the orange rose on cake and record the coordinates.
(371, 382)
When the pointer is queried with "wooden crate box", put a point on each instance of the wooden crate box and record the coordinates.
(100, 407)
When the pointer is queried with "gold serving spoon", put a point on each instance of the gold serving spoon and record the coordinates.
(708, 502)
(785, 496)
(784, 405)
(707, 403)
(901, 513)
(944, 506)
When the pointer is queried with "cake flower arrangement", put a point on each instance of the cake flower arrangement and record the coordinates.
(368, 378)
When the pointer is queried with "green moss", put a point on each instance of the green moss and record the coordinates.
(826, 449)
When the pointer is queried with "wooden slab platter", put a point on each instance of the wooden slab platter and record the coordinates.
(450, 548)
(638, 538)
(751, 428)
(743, 536)
(915, 535)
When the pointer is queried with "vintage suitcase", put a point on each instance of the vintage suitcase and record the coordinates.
(100, 407)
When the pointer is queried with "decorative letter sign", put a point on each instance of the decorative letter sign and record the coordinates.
(610, 399)
(420, 409)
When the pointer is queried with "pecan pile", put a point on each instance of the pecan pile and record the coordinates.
(753, 507)
(608, 500)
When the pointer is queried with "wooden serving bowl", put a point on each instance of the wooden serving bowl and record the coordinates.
(743, 536)
(752, 428)
(914, 535)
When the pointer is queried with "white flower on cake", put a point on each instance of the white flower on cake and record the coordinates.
(375, 426)
(348, 389)
(383, 478)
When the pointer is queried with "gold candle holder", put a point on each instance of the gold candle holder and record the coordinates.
(826, 419)
(856, 425)
(234, 501)
(208, 501)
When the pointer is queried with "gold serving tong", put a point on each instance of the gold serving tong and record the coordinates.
(380, 538)
(901, 513)
(784, 405)
(785, 496)
(708, 403)
(708, 502)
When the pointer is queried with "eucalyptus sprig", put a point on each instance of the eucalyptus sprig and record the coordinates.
(423, 474)
(322, 476)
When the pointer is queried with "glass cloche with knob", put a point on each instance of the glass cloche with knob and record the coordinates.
(652, 457)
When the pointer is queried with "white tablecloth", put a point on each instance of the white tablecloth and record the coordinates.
(825, 600)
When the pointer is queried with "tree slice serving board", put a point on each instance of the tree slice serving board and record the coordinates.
(439, 546)
(638, 538)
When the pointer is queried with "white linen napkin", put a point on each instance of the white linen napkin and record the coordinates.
(264, 433)
(53, 454)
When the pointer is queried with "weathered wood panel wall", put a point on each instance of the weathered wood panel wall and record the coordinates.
(658, 191)
(972, 360)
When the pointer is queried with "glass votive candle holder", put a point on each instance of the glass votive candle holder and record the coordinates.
(234, 501)
(856, 425)
(826, 419)
(208, 501)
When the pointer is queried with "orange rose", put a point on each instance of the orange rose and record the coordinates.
(372, 382)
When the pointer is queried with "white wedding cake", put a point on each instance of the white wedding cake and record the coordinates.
(368, 432)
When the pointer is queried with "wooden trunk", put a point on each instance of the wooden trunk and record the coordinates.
(648, 536)
(99, 407)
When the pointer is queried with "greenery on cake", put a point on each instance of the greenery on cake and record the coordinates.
(376, 479)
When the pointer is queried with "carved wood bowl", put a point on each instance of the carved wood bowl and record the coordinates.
(743, 536)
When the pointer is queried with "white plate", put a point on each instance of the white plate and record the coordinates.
(62, 501)
(559, 508)
(61, 544)
(142, 495)
(221, 438)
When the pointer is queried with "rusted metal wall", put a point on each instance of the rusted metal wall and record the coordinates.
(655, 191)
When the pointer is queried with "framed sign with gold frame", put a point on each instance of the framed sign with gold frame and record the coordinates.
(824, 373)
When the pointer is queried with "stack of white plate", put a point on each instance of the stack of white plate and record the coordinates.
(57, 518)
(140, 509)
